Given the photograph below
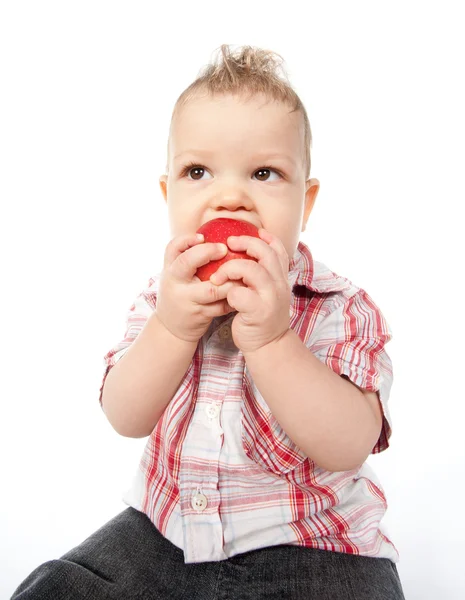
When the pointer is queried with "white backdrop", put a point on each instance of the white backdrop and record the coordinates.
(87, 90)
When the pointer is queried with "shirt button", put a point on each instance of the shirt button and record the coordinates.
(224, 333)
(199, 502)
(212, 410)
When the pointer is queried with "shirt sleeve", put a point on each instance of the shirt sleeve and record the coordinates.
(351, 341)
(138, 314)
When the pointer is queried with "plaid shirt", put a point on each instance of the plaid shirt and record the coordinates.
(219, 476)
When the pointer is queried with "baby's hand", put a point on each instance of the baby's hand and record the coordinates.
(186, 305)
(263, 304)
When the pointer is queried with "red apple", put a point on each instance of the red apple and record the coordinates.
(218, 231)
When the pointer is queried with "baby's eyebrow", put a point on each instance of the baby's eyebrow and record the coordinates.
(260, 157)
(205, 153)
(265, 156)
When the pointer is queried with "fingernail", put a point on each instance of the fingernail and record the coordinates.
(200, 237)
(222, 248)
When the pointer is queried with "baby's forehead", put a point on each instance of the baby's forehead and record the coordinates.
(228, 114)
(241, 123)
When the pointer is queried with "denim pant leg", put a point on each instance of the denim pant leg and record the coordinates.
(299, 573)
(126, 558)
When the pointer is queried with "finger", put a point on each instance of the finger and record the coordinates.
(252, 274)
(217, 309)
(242, 299)
(272, 256)
(275, 242)
(186, 264)
(178, 245)
(206, 293)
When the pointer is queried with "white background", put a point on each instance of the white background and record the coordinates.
(87, 90)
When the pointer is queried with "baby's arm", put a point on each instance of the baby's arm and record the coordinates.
(142, 383)
(306, 384)
(326, 416)
(139, 386)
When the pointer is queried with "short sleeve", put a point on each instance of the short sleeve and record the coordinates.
(351, 341)
(138, 314)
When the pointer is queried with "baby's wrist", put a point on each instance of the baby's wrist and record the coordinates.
(172, 333)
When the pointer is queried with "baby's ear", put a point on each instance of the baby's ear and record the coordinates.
(312, 186)
(163, 186)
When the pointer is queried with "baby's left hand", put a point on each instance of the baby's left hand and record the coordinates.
(264, 301)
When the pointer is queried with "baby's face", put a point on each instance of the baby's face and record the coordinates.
(238, 159)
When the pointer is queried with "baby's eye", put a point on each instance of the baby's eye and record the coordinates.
(197, 172)
(264, 171)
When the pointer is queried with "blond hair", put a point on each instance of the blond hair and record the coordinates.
(248, 71)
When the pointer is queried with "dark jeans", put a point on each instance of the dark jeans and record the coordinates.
(128, 558)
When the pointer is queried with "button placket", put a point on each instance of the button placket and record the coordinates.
(212, 410)
(199, 501)
(224, 333)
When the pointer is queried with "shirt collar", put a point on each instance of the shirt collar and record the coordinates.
(315, 276)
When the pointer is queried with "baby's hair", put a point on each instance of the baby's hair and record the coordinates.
(248, 72)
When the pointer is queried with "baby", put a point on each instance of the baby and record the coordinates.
(262, 391)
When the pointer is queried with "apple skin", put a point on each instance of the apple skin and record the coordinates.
(218, 231)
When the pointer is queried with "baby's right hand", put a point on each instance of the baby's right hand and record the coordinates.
(186, 305)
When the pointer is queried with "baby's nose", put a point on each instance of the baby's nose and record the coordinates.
(232, 198)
